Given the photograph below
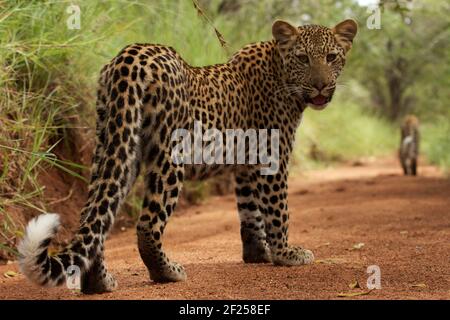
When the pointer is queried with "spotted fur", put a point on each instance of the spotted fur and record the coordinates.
(148, 91)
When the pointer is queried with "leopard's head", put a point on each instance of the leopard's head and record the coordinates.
(313, 57)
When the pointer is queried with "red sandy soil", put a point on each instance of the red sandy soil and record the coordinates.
(404, 223)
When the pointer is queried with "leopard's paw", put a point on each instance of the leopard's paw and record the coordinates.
(99, 283)
(169, 272)
(293, 256)
(256, 252)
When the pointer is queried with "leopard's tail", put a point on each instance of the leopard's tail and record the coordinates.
(34, 260)
(45, 269)
(115, 168)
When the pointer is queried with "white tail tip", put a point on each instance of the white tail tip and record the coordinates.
(39, 229)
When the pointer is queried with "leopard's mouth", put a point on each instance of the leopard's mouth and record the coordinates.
(319, 102)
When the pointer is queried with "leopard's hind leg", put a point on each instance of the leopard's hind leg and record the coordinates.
(112, 176)
(254, 245)
(97, 279)
(163, 182)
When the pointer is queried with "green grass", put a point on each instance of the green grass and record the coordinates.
(436, 142)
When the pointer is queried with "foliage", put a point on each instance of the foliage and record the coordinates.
(403, 64)
(342, 132)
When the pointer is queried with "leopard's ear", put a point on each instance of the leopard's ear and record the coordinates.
(285, 35)
(345, 32)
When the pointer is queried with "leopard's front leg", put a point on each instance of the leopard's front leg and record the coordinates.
(272, 193)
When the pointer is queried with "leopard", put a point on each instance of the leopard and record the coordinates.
(147, 92)
(409, 145)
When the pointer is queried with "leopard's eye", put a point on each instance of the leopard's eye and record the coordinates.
(303, 58)
(331, 57)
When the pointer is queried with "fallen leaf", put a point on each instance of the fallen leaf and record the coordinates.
(326, 244)
(353, 294)
(419, 285)
(75, 291)
(329, 261)
(10, 274)
(357, 246)
(19, 233)
(355, 285)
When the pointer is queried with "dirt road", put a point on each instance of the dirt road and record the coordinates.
(402, 225)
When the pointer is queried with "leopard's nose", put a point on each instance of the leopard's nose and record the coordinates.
(319, 86)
